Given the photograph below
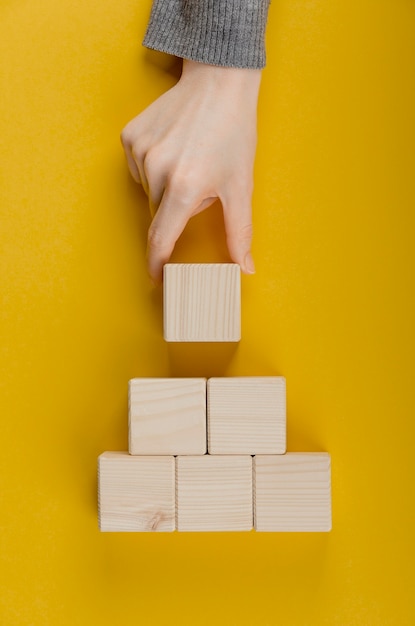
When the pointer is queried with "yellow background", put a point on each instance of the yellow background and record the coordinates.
(331, 308)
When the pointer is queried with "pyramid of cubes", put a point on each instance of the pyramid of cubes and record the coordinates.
(210, 454)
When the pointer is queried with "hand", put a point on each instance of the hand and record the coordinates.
(194, 144)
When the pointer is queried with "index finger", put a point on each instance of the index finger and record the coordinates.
(168, 224)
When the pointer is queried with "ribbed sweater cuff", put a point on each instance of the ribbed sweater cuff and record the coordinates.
(218, 32)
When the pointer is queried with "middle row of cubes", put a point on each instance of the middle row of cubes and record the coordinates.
(186, 416)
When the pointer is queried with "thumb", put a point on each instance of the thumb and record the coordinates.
(238, 226)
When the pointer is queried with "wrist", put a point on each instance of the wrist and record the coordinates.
(221, 77)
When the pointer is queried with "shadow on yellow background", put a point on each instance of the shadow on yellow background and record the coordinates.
(331, 308)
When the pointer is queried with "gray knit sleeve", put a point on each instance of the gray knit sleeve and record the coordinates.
(217, 32)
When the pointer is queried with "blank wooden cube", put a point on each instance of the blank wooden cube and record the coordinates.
(214, 493)
(202, 302)
(136, 493)
(292, 492)
(246, 415)
(167, 416)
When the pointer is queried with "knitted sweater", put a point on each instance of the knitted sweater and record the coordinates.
(218, 32)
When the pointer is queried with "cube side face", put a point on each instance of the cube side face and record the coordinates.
(167, 416)
(214, 493)
(202, 302)
(292, 493)
(136, 494)
(246, 415)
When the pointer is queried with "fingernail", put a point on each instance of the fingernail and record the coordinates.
(249, 264)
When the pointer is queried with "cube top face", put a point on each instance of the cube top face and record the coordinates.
(167, 416)
(214, 493)
(247, 415)
(136, 494)
(202, 302)
(292, 493)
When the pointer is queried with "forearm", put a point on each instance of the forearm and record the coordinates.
(217, 32)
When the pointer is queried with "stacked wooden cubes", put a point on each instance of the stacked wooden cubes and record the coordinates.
(210, 455)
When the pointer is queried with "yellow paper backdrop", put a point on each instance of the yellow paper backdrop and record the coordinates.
(331, 308)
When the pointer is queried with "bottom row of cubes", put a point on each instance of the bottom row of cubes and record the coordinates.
(214, 493)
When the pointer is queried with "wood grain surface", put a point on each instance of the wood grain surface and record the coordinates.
(167, 416)
(136, 493)
(246, 415)
(292, 492)
(202, 302)
(214, 493)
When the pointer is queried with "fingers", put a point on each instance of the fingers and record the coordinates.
(127, 145)
(171, 206)
(180, 185)
(166, 227)
(168, 224)
(133, 167)
(237, 214)
(135, 158)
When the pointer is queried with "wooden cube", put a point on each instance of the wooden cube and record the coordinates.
(202, 302)
(246, 415)
(292, 492)
(136, 493)
(167, 416)
(214, 493)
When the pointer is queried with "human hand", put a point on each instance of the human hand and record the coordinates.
(194, 144)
